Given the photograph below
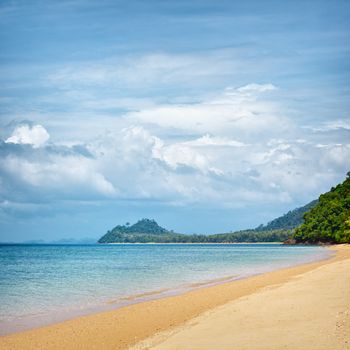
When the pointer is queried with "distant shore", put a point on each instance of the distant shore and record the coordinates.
(196, 243)
(125, 327)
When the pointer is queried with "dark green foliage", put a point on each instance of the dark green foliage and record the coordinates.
(148, 231)
(251, 236)
(291, 220)
(144, 227)
(329, 220)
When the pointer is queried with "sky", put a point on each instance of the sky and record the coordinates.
(207, 116)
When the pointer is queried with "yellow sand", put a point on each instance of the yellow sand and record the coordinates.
(305, 307)
(311, 311)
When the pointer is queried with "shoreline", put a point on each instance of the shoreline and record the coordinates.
(37, 321)
(126, 326)
(310, 310)
(198, 243)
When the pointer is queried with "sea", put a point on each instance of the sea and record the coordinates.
(41, 284)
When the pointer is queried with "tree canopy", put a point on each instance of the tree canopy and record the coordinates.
(329, 220)
(148, 231)
(289, 220)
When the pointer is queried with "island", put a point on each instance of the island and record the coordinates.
(324, 220)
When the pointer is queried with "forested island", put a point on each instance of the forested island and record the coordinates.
(148, 231)
(325, 220)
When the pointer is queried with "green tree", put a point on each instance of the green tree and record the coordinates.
(327, 222)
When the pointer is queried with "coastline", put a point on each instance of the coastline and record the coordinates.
(136, 243)
(126, 326)
(310, 310)
(114, 302)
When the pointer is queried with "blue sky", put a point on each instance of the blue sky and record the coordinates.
(207, 116)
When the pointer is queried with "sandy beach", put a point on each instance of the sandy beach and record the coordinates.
(304, 307)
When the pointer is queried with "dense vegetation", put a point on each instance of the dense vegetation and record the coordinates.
(126, 233)
(291, 220)
(329, 220)
(148, 231)
(250, 236)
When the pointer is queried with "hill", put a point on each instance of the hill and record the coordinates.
(148, 231)
(325, 220)
(329, 220)
(124, 233)
(290, 220)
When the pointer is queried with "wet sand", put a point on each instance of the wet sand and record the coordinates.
(304, 307)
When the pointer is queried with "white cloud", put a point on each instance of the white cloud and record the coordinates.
(231, 113)
(59, 176)
(333, 125)
(35, 135)
(207, 140)
(232, 149)
(251, 88)
(178, 155)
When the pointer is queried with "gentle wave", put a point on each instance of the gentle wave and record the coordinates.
(46, 283)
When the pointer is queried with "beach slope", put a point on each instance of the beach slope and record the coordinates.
(304, 307)
(310, 311)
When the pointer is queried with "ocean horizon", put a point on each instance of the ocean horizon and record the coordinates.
(47, 283)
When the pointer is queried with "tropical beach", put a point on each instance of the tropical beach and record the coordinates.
(295, 308)
(174, 175)
(46, 284)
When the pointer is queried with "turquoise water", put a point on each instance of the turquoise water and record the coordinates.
(43, 283)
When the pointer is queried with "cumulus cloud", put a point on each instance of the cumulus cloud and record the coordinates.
(236, 148)
(135, 164)
(207, 140)
(35, 135)
(69, 175)
(49, 173)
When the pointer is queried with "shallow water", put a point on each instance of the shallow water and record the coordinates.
(46, 282)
